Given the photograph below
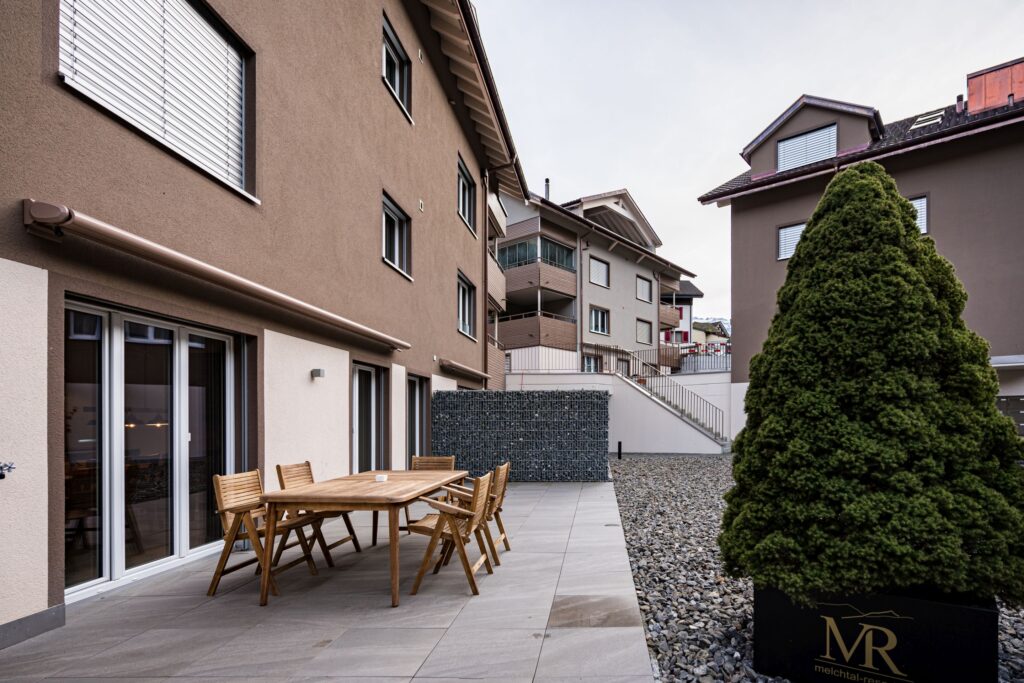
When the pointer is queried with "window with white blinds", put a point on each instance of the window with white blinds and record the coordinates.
(644, 332)
(807, 148)
(788, 237)
(159, 65)
(599, 274)
(921, 204)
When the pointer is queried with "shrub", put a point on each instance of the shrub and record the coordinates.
(874, 457)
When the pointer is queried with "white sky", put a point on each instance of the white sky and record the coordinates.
(660, 96)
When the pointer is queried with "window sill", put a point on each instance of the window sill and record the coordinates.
(598, 284)
(468, 336)
(646, 301)
(466, 223)
(397, 269)
(603, 334)
(398, 100)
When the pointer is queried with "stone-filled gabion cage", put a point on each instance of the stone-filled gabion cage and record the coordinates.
(546, 435)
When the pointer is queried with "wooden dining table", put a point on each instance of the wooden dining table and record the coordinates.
(355, 492)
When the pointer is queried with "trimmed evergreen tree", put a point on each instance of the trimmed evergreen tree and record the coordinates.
(873, 456)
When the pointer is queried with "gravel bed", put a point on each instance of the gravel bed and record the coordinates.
(700, 622)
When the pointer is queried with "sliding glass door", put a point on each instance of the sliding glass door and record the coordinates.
(148, 411)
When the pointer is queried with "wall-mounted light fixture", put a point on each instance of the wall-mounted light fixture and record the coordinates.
(5, 467)
(317, 372)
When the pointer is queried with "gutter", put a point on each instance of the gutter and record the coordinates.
(53, 221)
(836, 164)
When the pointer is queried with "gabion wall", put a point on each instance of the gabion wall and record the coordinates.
(546, 435)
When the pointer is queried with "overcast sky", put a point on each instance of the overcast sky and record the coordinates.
(660, 96)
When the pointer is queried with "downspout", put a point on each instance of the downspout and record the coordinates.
(486, 272)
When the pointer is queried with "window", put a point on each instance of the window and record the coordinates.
(591, 363)
(599, 272)
(921, 204)
(599, 320)
(518, 254)
(163, 68)
(556, 254)
(417, 405)
(467, 197)
(508, 363)
(396, 69)
(467, 307)
(643, 331)
(807, 148)
(643, 289)
(788, 237)
(396, 237)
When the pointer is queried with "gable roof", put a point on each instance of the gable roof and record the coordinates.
(874, 119)
(896, 138)
(714, 327)
(604, 209)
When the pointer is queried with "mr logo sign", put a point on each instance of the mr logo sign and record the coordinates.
(875, 639)
(871, 650)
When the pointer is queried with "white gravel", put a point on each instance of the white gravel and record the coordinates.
(699, 622)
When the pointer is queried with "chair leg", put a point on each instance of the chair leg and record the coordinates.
(254, 539)
(483, 550)
(501, 529)
(448, 554)
(319, 535)
(280, 549)
(373, 541)
(427, 557)
(351, 531)
(490, 544)
(229, 542)
(306, 550)
(446, 551)
(460, 546)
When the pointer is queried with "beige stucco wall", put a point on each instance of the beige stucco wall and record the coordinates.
(398, 422)
(439, 383)
(23, 440)
(305, 418)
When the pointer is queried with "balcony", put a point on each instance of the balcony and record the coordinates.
(541, 273)
(668, 317)
(497, 218)
(496, 286)
(536, 328)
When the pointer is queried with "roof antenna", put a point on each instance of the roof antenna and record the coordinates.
(547, 188)
(959, 104)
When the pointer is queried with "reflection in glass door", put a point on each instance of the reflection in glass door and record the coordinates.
(365, 419)
(149, 425)
(207, 431)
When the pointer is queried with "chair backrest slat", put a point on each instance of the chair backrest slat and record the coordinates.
(481, 495)
(234, 490)
(297, 474)
(498, 487)
(433, 462)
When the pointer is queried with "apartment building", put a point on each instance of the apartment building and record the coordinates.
(234, 235)
(958, 163)
(579, 274)
(682, 301)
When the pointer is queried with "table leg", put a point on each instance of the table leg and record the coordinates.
(393, 541)
(268, 552)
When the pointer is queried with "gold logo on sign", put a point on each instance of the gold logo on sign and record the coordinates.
(870, 651)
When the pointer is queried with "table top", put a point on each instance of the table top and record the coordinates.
(402, 486)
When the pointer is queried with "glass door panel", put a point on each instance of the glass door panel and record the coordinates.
(84, 515)
(363, 418)
(148, 443)
(207, 428)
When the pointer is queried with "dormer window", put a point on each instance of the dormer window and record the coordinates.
(807, 148)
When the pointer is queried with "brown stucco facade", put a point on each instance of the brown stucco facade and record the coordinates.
(325, 139)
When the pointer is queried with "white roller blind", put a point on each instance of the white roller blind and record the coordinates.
(807, 148)
(788, 237)
(643, 331)
(921, 204)
(160, 66)
(598, 272)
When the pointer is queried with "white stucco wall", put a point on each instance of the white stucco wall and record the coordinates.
(305, 418)
(737, 415)
(398, 421)
(23, 440)
(642, 424)
(713, 387)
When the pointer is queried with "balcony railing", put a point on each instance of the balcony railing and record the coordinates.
(534, 314)
(536, 328)
(540, 259)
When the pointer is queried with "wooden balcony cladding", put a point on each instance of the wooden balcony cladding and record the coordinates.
(497, 218)
(523, 228)
(540, 274)
(532, 329)
(668, 316)
(495, 365)
(496, 286)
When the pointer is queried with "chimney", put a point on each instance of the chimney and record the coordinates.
(995, 86)
(959, 104)
(547, 188)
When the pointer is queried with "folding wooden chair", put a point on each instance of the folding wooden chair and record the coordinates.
(244, 518)
(300, 474)
(441, 463)
(499, 484)
(455, 526)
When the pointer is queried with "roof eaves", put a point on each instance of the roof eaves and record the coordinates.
(813, 101)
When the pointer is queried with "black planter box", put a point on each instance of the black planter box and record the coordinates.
(876, 639)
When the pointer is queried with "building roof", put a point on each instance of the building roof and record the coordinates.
(618, 211)
(896, 138)
(687, 288)
(711, 327)
(455, 22)
(874, 119)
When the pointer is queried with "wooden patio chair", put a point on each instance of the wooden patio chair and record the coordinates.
(243, 516)
(439, 463)
(300, 474)
(454, 526)
(499, 484)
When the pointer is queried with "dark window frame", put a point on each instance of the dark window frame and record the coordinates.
(465, 178)
(465, 284)
(403, 264)
(402, 89)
